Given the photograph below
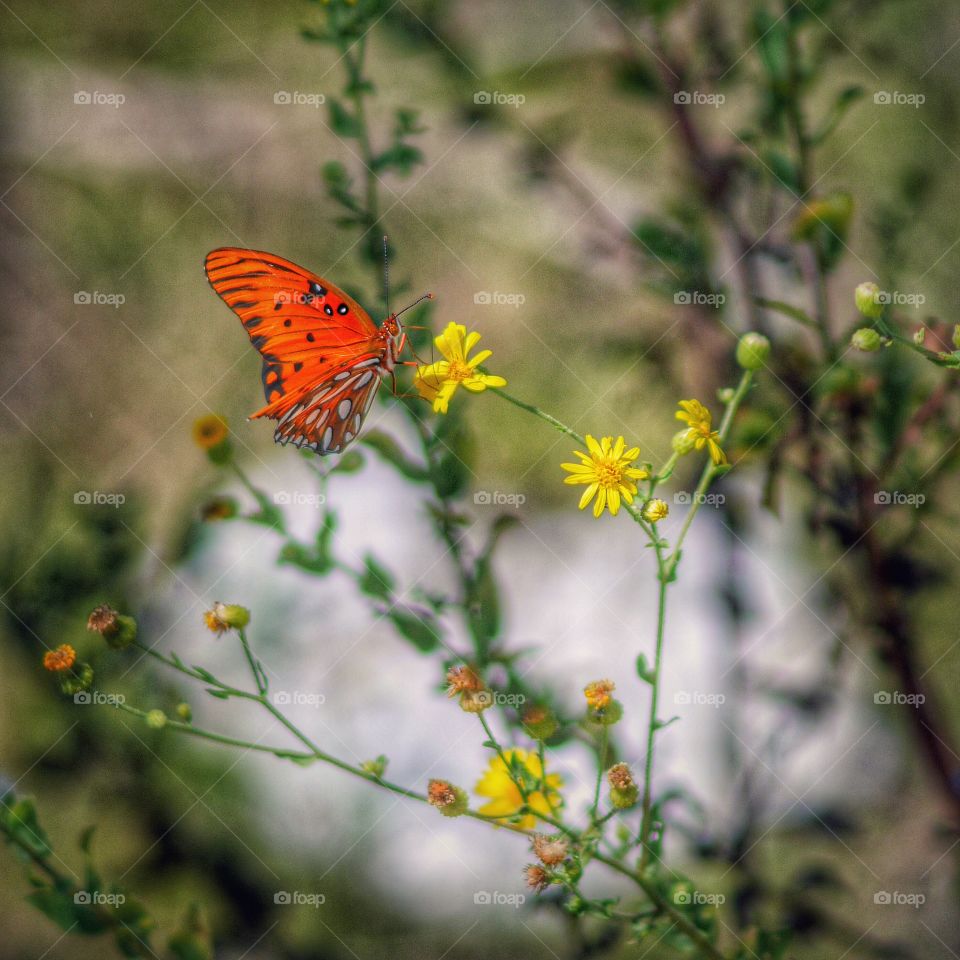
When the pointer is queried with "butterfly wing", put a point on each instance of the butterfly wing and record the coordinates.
(317, 343)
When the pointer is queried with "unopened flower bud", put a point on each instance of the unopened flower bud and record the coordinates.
(683, 442)
(920, 334)
(623, 788)
(539, 722)
(376, 767)
(475, 701)
(753, 351)
(450, 800)
(866, 339)
(867, 299)
(184, 712)
(117, 629)
(219, 508)
(226, 616)
(80, 679)
(156, 719)
(654, 510)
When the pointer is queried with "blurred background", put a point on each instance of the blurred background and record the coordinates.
(138, 138)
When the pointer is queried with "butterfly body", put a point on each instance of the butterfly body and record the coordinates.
(323, 356)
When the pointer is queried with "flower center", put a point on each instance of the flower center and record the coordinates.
(609, 473)
(459, 371)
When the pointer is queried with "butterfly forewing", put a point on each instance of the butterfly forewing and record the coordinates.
(318, 345)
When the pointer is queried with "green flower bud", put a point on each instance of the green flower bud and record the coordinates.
(226, 616)
(539, 722)
(156, 719)
(609, 715)
(753, 351)
(184, 712)
(867, 300)
(450, 800)
(920, 334)
(81, 679)
(376, 767)
(124, 635)
(866, 339)
(683, 442)
(624, 791)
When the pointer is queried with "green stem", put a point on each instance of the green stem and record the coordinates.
(537, 412)
(601, 762)
(710, 470)
(255, 667)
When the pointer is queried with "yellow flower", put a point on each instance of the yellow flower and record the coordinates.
(598, 693)
(209, 431)
(607, 471)
(700, 428)
(438, 382)
(505, 798)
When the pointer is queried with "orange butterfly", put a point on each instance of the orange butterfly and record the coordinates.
(323, 357)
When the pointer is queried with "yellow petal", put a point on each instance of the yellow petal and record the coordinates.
(601, 502)
(471, 341)
(477, 359)
(588, 495)
(593, 446)
(613, 501)
(619, 447)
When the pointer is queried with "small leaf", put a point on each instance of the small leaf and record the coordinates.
(787, 309)
(218, 693)
(645, 671)
(390, 450)
(419, 629)
(376, 581)
(344, 123)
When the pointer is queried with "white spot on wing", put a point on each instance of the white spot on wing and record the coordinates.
(344, 408)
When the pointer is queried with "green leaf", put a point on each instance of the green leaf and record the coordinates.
(56, 905)
(645, 671)
(344, 123)
(349, 462)
(401, 157)
(218, 693)
(390, 450)
(376, 581)
(844, 100)
(419, 628)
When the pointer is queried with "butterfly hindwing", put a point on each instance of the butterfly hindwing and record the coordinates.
(329, 416)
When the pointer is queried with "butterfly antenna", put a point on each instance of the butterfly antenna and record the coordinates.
(386, 277)
(410, 306)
